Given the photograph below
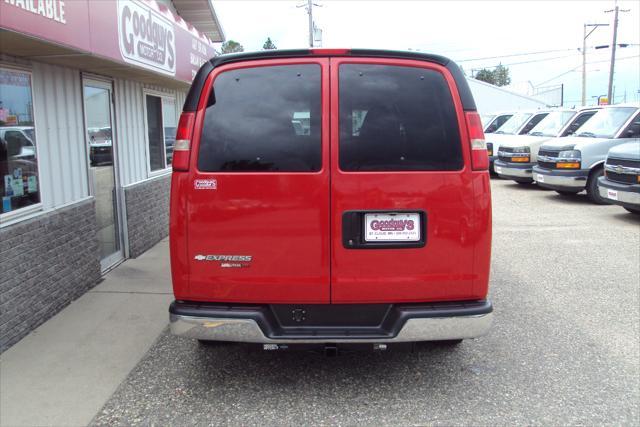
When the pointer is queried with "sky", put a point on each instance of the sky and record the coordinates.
(507, 32)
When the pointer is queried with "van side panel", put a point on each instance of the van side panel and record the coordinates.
(482, 236)
(178, 232)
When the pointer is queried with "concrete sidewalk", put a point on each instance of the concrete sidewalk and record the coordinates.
(64, 371)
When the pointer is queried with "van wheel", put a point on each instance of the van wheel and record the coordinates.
(633, 210)
(592, 187)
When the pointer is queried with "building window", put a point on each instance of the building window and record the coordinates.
(161, 130)
(169, 124)
(18, 156)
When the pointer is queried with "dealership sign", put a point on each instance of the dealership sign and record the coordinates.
(141, 33)
(146, 38)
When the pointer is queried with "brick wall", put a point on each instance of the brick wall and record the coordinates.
(45, 263)
(147, 213)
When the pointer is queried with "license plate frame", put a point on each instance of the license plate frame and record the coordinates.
(353, 230)
(392, 227)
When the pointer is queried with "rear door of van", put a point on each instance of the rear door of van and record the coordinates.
(319, 180)
(403, 212)
(258, 207)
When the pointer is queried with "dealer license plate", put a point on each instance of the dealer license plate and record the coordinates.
(539, 177)
(392, 227)
(612, 194)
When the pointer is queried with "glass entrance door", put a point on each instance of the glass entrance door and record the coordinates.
(98, 108)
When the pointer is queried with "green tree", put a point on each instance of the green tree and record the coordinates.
(485, 75)
(269, 45)
(231, 46)
(501, 75)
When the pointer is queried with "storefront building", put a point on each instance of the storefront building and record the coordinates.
(90, 95)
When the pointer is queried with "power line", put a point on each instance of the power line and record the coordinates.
(579, 66)
(515, 54)
(534, 53)
(559, 75)
(534, 60)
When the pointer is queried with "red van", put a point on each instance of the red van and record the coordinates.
(330, 196)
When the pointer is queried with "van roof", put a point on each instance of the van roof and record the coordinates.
(191, 101)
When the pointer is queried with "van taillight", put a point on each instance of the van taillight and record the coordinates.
(182, 147)
(479, 155)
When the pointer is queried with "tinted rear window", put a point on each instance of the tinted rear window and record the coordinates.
(396, 118)
(263, 119)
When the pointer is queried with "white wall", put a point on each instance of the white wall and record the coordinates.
(490, 98)
(60, 140)
(60, 133)
(130, 131)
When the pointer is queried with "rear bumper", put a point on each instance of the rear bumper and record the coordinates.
(627, 195)
(398, 323)
(570, 180)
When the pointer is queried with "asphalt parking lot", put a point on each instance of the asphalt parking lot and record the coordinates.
(564, 348)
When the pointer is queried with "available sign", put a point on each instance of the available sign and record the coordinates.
(51, 9)
(146, 37)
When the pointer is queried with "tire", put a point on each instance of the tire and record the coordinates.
(566, 193)
(632, 210)
(592, 187)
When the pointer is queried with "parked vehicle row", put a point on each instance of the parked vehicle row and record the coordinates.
(567, 152)
(517, 157)
(520, 123)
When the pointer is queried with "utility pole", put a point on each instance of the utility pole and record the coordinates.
(613, 50)
(584, 58)
(613, 55)
(309, 7)
(310, 10)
